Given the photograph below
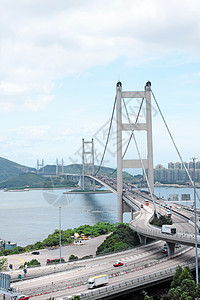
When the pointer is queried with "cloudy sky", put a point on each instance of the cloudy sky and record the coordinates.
(60, 61)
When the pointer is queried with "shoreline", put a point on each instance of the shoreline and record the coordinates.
(174, 185)
(88, 192)
(37, 189)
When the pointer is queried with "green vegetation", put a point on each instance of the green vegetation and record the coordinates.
(33, 263)
(53, 239)
(33, 180)
(161, 221)
(183, 285)
(22, 181)
(15, 250)
(3, 264)
(122, 238)
(16, 176)
(10, 169)
(77, 169)
(73, 257)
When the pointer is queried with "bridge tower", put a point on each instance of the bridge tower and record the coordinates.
(59, 165)
(146, 126)
(40, 166)
(87, 153)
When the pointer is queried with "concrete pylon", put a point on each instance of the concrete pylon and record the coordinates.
(40, 166)
(146, 126)
(59, 165)
(87, 149)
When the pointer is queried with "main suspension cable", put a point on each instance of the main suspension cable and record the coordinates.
(187, 172)
(105, 148)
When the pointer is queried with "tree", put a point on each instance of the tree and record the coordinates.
(175, 281)
(3, 263)
(183, 286)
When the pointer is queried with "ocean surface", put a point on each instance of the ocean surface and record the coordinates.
(30, 216)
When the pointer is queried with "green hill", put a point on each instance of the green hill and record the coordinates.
(33, 180)
(9, 169)
(77, 169)
(13, 175)
(23, 180)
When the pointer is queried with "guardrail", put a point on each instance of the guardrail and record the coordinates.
(130, 284)
(70, 284)
(181, 237)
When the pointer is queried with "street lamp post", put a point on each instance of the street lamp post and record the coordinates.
(60, 231)
(195, 221)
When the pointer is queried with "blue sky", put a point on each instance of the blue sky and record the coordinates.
(60, 61)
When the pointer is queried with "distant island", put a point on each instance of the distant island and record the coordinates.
(14, 176)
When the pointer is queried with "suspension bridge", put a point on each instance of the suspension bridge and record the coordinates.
(133, 200)
(130, 124)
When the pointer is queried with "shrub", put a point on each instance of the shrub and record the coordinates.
(73, 257)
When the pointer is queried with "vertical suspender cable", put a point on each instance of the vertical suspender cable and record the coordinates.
(107, 136)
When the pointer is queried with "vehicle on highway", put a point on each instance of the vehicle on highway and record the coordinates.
(170, 229)
(147, 202)
(97, 281)
(169, 213)
(141, 205)
(21, 297)
(164, 249)
(118, 264)
(35, 253)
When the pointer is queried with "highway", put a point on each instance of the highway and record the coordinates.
(181, 219)
(139, 264)
(136, 259)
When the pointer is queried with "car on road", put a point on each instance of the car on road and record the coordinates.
(164, 249)
(35, 253)
(23, 297)
(118, 264)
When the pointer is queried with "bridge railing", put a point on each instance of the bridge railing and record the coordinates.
(178, 237)
(130, 284)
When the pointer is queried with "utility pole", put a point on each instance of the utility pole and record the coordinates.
(60, 231)
(195, 221)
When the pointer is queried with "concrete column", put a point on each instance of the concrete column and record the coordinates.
(93, 183)
(143, 239)
(171, 248)
(132, 213)
(149, 135)
(56, 167)
(83, 166)
(119, 151)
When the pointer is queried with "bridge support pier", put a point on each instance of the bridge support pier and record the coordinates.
(171, 248)
(143, 239)
(124, 124)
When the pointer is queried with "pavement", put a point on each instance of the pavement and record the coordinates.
(88, 248)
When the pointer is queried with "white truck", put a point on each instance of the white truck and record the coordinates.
(170, 229)
(97, 281)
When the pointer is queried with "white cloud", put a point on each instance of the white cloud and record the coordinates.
(41, 42)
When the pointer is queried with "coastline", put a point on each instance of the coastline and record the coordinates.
(88, 192)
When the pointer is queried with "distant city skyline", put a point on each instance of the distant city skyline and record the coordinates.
(60, 62)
